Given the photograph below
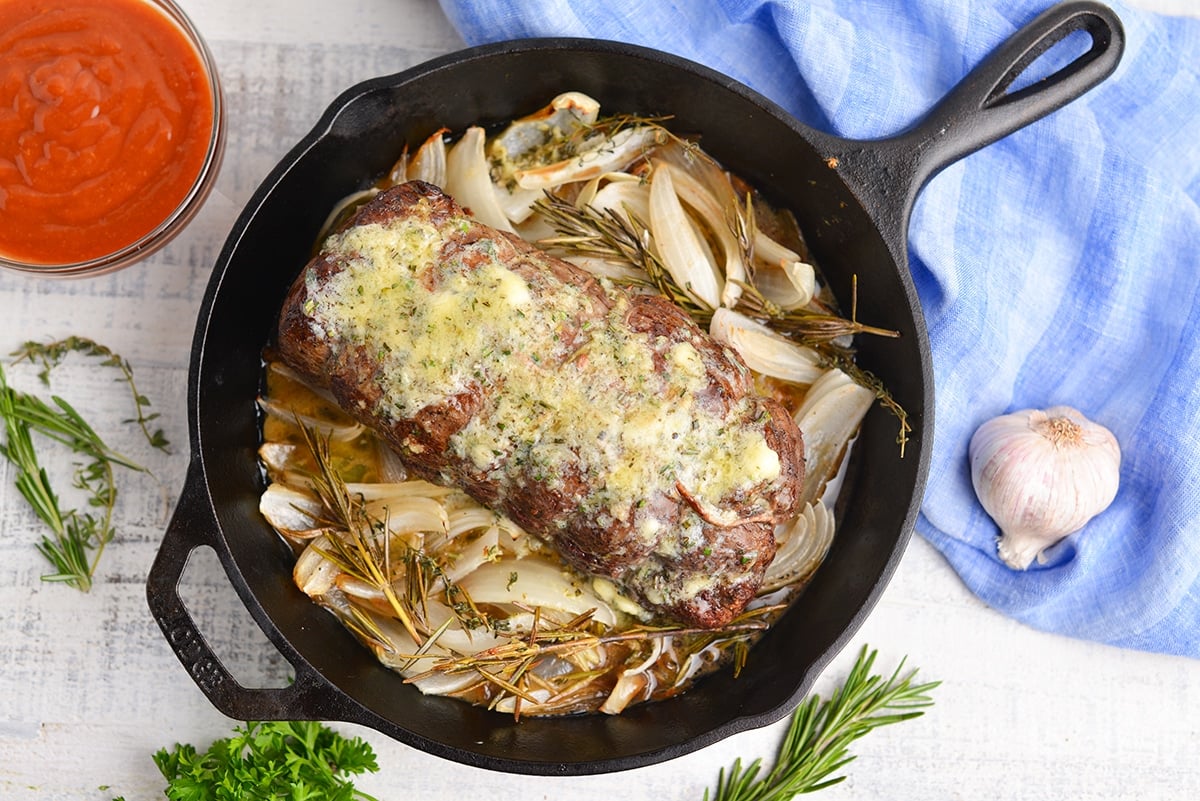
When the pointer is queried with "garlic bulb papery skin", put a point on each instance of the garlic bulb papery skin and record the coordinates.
(1042, 475)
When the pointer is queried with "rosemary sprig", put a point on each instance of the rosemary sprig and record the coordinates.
(51, 354)
(364, 552)
(817, 742)
(609, 235)
(360, 553)
(509, 666)
(806, 326)
(76, 539)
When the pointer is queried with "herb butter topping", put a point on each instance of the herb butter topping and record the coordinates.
(567, 386)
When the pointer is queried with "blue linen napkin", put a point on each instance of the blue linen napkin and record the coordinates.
(1060, 265)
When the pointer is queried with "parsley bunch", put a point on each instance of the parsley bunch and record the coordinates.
(292, 760)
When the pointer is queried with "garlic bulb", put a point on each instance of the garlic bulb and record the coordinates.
(1042, 475)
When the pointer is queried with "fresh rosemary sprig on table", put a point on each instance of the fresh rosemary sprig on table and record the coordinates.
(817, 742)
(76, 539)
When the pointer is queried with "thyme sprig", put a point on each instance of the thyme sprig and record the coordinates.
(817, 742)
(51, 354)
(76, 539)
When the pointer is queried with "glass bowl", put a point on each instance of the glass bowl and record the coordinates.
(175, 219)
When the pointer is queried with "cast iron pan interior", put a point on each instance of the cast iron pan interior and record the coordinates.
(854, 217)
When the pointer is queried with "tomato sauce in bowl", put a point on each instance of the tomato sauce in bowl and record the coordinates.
(111, 131)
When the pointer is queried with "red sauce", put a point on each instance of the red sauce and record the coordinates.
(106, 116)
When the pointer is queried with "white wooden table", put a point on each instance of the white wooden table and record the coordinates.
(89, 688)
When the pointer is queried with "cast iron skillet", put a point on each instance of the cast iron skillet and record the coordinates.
(853, 198)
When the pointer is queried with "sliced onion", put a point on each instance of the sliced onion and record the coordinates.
(512, 149)
(470, 518)
(429, 164)
(408, 516)
(803, 543)
(279, 457)
(536, 229)
(313, 573)
(508, 704)
(534, 582)
(829, 415)
(630, 687)
(469, 182)
(454, 637)
(477, 552)
(358, 590)
(602, 268)
(287, 508)
(596, 156)
(587, 192)
(770, 251)
(788, 284)
(281, 370)
(397, 654)
(560, 118)
(338, 432)
(708, 208)
(683, 253)
(391, 468)
(763, 350)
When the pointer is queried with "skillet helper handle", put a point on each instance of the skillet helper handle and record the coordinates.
(981, 109)
(191, 527)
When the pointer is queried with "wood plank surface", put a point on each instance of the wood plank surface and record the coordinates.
(89, 688)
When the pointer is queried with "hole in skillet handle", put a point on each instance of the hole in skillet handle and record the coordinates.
(192, 527)
(887, 174)
(981, 110)
(1069, 22)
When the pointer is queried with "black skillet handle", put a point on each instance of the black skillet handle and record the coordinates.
(193, 526)
(888, 173)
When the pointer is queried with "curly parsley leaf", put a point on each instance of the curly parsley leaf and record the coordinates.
(292, 760)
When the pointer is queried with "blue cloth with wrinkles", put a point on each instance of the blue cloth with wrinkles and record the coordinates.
(1060, 265)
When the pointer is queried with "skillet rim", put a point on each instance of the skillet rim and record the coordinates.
(324, 128)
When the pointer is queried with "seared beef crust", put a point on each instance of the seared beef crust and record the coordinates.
(723, 551)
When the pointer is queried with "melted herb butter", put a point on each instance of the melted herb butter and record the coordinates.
(599, 411)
